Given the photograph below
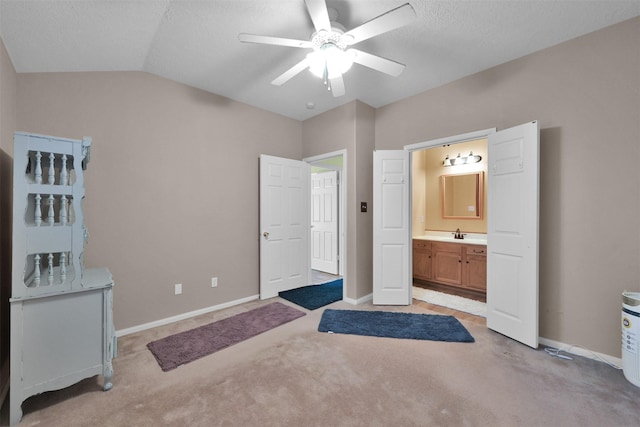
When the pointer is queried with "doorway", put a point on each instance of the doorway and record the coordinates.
(328, 217)
(285, 221)
(324, 220)
(512, 227)
(446, 197)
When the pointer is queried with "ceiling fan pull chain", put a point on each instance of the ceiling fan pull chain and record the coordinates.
(325, 75)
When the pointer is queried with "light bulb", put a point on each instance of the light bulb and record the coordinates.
(330, 58)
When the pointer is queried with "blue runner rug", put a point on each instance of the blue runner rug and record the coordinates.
(433, 327)
(314, 296)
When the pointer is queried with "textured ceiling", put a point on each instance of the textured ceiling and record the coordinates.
(196, 42)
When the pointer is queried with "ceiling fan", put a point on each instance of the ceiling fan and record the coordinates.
(332, 56)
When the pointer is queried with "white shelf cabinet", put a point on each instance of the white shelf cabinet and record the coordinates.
(61, 313)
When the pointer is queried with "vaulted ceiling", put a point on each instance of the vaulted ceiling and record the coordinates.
(195, 42)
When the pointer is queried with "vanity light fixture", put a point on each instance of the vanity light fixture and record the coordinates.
(461, 160)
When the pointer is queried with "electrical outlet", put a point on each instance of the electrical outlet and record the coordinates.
(178, 288)
(214, 282)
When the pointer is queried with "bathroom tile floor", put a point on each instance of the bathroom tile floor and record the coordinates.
(460, 315)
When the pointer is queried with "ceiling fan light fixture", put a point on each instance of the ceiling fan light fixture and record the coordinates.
(329, 61)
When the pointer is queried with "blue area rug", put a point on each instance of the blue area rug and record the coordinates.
(315, 296)
(433, 327)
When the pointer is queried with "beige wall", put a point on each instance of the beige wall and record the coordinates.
(586, 95)
(172, 186)
(349, 128)
(365, 141)
(418, 192)
(7, 126)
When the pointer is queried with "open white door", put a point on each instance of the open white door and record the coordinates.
(324, 221)
(284, 225)
(391, 216)
(512, 241)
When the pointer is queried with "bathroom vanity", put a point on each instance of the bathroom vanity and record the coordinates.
(453, 262)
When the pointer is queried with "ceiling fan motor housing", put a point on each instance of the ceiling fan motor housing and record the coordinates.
(335, 36)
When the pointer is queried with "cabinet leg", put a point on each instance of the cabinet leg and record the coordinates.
(15, 411)
(108, 375)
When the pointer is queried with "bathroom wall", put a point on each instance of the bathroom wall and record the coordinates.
(427, 187)
(418, 192)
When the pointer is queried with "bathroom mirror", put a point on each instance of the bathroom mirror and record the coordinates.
(462, 195)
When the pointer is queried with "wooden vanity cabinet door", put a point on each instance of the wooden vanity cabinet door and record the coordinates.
(447, 263)
(475, 267)
(422, 259)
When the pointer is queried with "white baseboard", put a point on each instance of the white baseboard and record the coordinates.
(568, 348)
(580, 351)
(358, 301)
(172, 319)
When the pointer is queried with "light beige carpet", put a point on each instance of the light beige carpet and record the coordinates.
(295, 376)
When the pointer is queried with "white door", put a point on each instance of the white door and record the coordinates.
(324, 221)
(391, 218)
(512, 241)
(284, 225)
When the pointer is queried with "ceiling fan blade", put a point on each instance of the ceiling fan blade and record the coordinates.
(319, 14)
(291, 72)
(337, 86)
(378, 63)
(395, 18)
(278, 41)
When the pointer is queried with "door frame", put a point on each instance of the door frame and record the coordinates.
(449, 140)
(342, 211)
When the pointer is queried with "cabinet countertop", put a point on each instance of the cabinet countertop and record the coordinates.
(465, 241)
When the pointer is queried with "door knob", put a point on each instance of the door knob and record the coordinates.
(266, 234)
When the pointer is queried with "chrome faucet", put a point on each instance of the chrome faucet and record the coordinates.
(458, 234)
